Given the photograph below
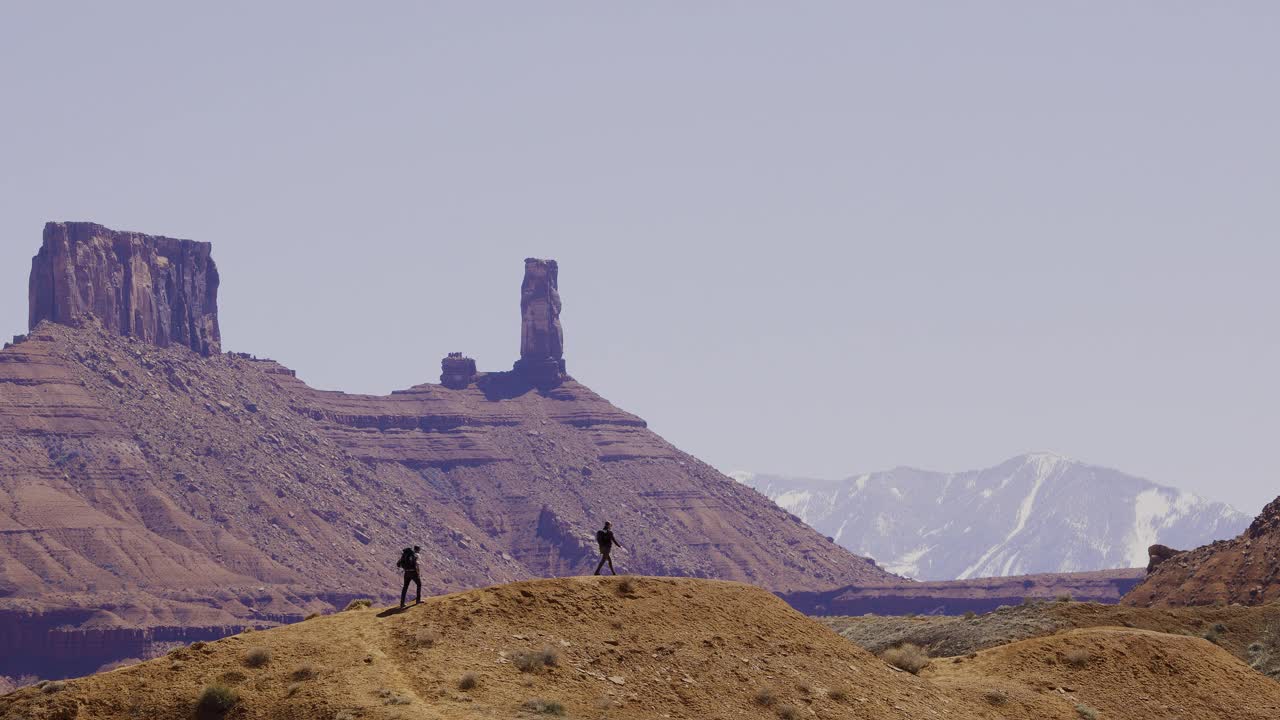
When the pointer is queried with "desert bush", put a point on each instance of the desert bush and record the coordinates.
(345, 715)
(535, 660)
(257, 657)
(53, 686)
(627, 586)
(293, 689)
(305, 672)
(906, 656)
(1212, 636)
(197, 645)
(838, 694)
(1077, 657)
(359, 604)
(1086, 712)
(312, 616)
(468, 681)
(969, 615)
(117, 664)
(1064, 597)
(804, 687)
(788, 712)
(543, 707)
(995, 697)
(426, 638)
(766, 697)
(216, 701)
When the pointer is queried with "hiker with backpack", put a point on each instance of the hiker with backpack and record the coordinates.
(606, 540)
(409, 564)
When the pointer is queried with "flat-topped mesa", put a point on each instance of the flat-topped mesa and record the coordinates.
(541, 337)
(457, 371)
(159, 290)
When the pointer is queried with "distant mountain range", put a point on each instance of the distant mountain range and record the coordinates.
(1036, 513)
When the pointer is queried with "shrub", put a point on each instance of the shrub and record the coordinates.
(312, 616)
(359, 604)
(197, 645)
(216, 700)
(995, 697)
(765, 697)
(391, 697)
(468, 681)
(838, 694)
(304, 672)
(535, 660)
(1064, 597)
(627, 587)
(117, 664)
(805, 688)
(543, 707)
(1211, 635)
(1086, 712)
(788, 712)
(906, 656)
(53, 686)
(969, 615)
(293, 689)
(257, 657)
(1077, 657)
(426, 638)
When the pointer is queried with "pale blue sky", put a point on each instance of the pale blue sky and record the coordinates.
(810, 238)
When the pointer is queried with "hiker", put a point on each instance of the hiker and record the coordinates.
(409, 564)
(606, 540)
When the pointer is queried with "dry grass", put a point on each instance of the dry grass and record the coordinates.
(788, 712)
(391, 697)
(766, 697)
(468, 681)
(535, 660)
(1077, 657)
(305, 672)
(1086, 712)
(216, 701)
(312, 616)
(906, 656)
(627, 586)
(359, 604)
(838, 694)
(231, 677)
(995, 697)
(257, 657)
(543, 707)
(53, 686)
(426, 638)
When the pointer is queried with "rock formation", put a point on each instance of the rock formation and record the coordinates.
(541, 337)
(457, 371)
(1244, 570)
(221, 491)
(1157, 554)
(156, 289)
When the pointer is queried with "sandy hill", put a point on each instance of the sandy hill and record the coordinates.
(1244, 570)
(648, 648)
(155, 489)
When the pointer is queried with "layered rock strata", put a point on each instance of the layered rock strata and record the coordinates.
(159, 290)
(541, 336)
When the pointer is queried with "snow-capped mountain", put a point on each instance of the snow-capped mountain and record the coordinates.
(1032, 514)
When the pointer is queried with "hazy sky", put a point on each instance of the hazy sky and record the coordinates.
(809, 238)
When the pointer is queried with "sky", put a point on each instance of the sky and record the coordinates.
(814, 238)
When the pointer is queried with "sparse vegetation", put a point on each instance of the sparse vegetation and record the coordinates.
(788, 712)
(1212, 635)
(53, 686)
(1077, 657)
(305, 672)
(391, 697)
(969, 615)
(627, 586)
(257, 657)
(804, 687)
(544, 707)
(312, 616)
(468, 681)
(216, 701)
(293, 689)
(197, 645)
(231, 677)
(359, 604)
(995, 697)
(535, 660)
(838, 694)
(906, 656)
(766, 697)
(426, 638)
(1086, 712)
(1064, 597)
(117, 664)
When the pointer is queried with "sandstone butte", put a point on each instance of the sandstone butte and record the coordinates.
(642, 648)
(155, 489)
(1244, 570)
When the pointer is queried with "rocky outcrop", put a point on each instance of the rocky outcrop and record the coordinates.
(457, 371)
(159, 290)
(1157, 554)
(1244, 570)
(541, 337)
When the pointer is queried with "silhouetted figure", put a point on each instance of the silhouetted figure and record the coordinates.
(409, 564)
(606, 540)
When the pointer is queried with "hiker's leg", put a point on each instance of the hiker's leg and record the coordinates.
(602, 559)
(404, 590)
(417, 583)
(610, 559)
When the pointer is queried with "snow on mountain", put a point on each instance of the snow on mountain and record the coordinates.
(1035, 513)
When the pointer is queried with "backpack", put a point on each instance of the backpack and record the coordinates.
(602, 538)
(406, 559)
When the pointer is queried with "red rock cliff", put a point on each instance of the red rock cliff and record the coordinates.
(160, 290)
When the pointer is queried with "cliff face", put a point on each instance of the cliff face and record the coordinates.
(541, 336)
(156, 481)
(1244, 570)
(159, 290)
